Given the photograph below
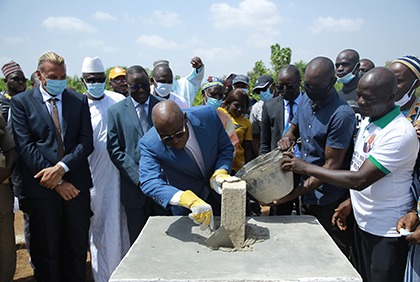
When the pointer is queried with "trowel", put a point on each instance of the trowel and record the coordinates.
(219, 238)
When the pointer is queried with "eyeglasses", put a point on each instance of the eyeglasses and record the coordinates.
(18, 79)
(176, 135)
(137, 87)
(95, 79)
(284, 87)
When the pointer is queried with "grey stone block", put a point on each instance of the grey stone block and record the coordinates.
(233, 211)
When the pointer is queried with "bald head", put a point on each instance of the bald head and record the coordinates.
(162, 71)
(166, 112)
(376, 91)
(289, 76)
(319, 79)
(350, 55)
(381, 81)
(171, 124)
(320, 69)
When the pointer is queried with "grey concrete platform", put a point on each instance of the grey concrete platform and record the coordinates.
(295, 248)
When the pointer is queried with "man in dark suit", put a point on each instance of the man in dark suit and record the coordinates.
(277, 115)
(128, 121)
(53, 135)
(181, 156)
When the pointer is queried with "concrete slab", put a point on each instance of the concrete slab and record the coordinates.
(296, 248)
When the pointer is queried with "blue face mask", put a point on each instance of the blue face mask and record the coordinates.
(55, 87)
(348, 77)
(266, 95)
(214, 103)
(96, 90)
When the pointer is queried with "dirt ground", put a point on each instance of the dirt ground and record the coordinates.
(24, 271)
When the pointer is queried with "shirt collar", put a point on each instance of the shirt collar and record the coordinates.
(386, 119)
(46, 96)
(135, 103)
(296, 100)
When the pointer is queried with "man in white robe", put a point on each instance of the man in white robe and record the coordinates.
(108, 234)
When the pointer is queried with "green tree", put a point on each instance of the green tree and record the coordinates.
(76, 83)
(279, 57)
(301, 65)
(258, 70)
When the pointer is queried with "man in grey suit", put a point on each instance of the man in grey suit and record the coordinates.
(128, 121)
(276, 117)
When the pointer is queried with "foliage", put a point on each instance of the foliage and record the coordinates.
(279, 57)
(76, 83)
(258, 70)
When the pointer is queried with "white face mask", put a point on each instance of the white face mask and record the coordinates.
(163, 89)
(407, 96)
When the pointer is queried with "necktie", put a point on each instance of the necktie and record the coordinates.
(291, 103)
(56, 121)
(191, 156)
(143, 119)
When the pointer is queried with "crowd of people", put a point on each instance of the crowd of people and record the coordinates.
(88, 169)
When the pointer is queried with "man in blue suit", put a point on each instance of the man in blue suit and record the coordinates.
(128, 121)
(179, 157)
(53, 135)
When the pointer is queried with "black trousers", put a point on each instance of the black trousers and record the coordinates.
(137, 217)
(59, 236)
(343, 239)
(382, 259)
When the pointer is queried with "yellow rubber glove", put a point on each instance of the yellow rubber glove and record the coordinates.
(220, 176)
(202, 212)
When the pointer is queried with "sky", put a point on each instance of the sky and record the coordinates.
(229, 36)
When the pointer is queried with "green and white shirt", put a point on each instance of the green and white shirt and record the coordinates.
(391, 144)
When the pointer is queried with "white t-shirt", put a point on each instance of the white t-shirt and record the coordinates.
(391, 144)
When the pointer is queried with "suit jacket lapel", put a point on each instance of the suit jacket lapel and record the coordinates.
(132, 115)
(42, 108)
(65, 112)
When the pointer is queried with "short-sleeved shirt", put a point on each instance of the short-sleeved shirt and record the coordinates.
(332, 124)
(244, 131)
(391, 144)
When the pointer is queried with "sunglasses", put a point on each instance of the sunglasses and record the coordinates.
(284, 87)
(95, 80)
(176, 135)
(137, 87)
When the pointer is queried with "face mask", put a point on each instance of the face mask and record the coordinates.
(214, 103)
(407, 96)
(163, 89)
(246, 90)
(319, 94)
(347, 78)
(96, 89)
(55, 87)
(266, 95)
